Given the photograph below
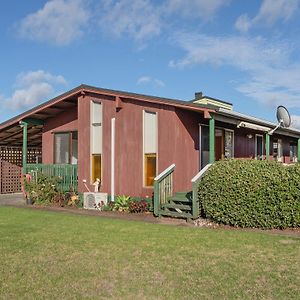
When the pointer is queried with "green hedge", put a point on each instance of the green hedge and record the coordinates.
(251, 193)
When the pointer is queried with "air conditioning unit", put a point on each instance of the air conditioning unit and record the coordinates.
(94, 200)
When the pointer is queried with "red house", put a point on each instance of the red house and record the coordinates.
(127, 139)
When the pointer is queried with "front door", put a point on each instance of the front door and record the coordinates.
(224, 143)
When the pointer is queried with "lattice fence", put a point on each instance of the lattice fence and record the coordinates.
(14, 155)
(10, 178)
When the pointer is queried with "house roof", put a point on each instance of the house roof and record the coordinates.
(242, 117)
(64, 98)
(11, 129)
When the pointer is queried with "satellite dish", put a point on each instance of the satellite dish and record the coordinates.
(283, 116)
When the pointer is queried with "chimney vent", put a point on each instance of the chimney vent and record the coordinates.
(198, 95)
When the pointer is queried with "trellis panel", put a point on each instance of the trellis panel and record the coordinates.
(10, 178)
(14, 155)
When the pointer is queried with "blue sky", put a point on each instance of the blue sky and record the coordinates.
(245, 52)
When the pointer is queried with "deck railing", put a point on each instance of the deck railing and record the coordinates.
(195, 184)
(67, 174)
(163, 188)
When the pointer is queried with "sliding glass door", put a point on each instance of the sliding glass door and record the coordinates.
(224, 144)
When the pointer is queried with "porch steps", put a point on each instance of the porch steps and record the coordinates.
(176, 199)
(178, 206)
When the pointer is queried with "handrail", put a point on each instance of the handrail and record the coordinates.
(200, 173)
(195, 181)
(67, 173)
(163, 188)
(165, 172)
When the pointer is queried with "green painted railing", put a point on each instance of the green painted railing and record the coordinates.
(163, 188)
(195, 185)
(65, 172)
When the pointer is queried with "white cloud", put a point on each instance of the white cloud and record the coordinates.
(195, 8)
(270, 75)
(58, 22)
(269, 13)
(144, 19)
(243, 23)
(248, 54)
(150, 80)
(32, 88)
(138, 19)
(295, 121)
(26, 79)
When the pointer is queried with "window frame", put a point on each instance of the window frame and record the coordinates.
(262, 146)
(200, 141)
(70, 146)
(231, 131)
(143, 148)
(92, 124)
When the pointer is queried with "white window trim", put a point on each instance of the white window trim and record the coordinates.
(143, 148)
(91, 141)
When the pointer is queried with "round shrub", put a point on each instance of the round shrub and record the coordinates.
(251, 193)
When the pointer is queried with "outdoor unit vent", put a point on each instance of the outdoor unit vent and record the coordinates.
(94, 200)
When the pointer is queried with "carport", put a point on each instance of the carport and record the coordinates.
(21, 141)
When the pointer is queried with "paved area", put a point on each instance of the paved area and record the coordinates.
(12, 199)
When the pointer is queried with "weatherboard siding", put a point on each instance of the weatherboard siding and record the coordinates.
(177, 140)
(66, 121)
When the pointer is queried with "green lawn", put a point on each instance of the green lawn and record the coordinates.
(63, 256)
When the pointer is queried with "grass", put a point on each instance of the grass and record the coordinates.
(54, 255)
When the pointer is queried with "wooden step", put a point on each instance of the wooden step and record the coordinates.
(187, 195)
(175, 214)
(182, 194)
(178, 206)
(179, 199)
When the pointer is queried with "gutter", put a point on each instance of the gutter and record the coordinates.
(241, 117)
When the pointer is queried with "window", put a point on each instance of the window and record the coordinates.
(228, 144)
(279, 150)
(204, 146)
(259, 146)
(150, 147)
(96, 141)
(96, 166)
(293, 152)
(150, 168)
(275, 149)
(66, 148)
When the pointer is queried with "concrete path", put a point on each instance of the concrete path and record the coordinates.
(12, 199)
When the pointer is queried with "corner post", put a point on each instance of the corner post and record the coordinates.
(24, 150)
(267, 146)
(211, 140)
(298, 150)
